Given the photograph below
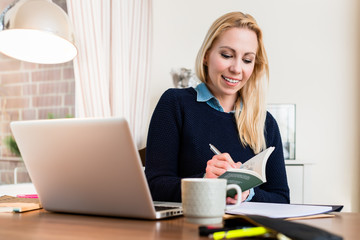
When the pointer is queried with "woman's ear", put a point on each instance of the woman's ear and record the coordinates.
(205, 61)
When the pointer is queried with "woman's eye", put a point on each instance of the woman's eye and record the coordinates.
(224, 55)
(247, 61)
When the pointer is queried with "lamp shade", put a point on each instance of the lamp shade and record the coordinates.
(37, 31)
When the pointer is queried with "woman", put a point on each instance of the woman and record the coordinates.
(227, 109)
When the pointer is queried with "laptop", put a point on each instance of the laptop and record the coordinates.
(88, 166)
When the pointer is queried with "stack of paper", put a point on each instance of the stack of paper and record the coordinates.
(16, 204)
(277, 210)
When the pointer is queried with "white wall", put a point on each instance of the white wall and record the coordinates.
(313, 49)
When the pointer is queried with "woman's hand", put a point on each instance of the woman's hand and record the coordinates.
(219, 164)
(244, 196)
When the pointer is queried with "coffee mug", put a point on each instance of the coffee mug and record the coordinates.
(204, 199)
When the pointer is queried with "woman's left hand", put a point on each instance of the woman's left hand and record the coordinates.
(244, 195)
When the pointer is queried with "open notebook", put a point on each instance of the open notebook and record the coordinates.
(87, 166)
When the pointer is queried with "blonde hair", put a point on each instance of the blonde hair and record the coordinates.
(250, 120)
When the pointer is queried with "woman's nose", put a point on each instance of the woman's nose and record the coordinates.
(236, 66)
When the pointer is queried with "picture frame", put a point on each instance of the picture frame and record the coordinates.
(285, 116)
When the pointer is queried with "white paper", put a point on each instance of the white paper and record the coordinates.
(277, 210)
(15, 189)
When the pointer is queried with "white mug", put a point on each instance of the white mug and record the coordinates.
(204, 199)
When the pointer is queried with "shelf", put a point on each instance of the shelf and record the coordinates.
(297, 162)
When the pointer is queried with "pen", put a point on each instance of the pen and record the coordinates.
(238, 233)
(214, 149)
(217, 152)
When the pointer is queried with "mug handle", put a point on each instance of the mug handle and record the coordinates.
(238, 190)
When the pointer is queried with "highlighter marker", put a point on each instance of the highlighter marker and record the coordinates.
(238, 233)
(27, 196)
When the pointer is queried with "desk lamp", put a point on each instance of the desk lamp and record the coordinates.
(36, 31)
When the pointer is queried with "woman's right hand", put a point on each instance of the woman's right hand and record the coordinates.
(219, 164)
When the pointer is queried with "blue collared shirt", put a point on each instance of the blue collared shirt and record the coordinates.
(204, 95)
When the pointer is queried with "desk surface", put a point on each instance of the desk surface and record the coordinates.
(46, 225)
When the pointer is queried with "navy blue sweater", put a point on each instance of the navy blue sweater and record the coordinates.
(178, 147)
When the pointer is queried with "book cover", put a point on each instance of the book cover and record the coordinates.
(245, 179)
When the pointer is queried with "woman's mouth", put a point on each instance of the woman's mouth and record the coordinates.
(230, 80)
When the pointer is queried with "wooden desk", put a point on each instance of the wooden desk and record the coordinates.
(45, 225)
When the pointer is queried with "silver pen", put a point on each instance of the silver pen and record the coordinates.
(214, 149)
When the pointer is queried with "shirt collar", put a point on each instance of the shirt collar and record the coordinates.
(204, 95)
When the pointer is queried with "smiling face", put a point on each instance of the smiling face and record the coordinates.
(230, 62)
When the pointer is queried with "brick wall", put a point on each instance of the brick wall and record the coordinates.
(32, 91)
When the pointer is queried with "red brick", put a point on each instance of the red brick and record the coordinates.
(55, 112)
(34, 79)
(16, 77)
(72, 87)
(69, 100)
(30, 89)
(5, 128)
(10, 65)
(7, 177)
(23, 177)
(46, 75)
(46, 101)
(54, 87)
(12, 115)
(29, 66)
(68, 73)
(69, 64)
(12, 103)
(47, 66)
(28, 114)
(13, 91)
